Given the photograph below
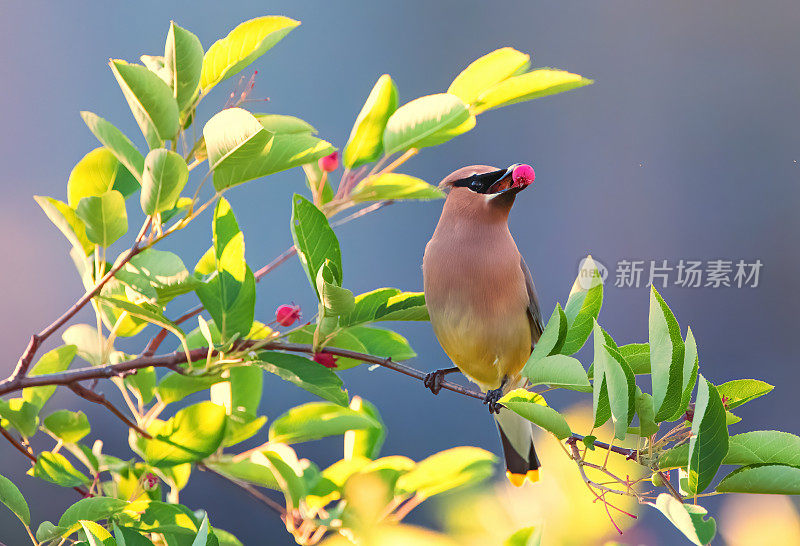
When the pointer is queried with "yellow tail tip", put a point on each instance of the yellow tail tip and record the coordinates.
(518, 479)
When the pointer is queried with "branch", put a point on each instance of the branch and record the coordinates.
(630, 454)
(98, 398)
(252, 491)
(37, 339)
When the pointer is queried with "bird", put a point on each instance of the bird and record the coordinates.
(482, 301)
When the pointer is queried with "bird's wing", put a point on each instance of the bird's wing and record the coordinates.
(534, 311)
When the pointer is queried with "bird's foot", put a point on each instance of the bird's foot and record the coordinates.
(491, 399)
(433, 380)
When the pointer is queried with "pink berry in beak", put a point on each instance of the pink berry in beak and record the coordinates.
(523, 175)
(286, 315)
(329, 162)
(326, 359)
(150, 482)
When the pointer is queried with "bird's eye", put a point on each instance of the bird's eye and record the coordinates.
(475, 184)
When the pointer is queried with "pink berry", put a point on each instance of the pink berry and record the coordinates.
(326, 359)
(523, 175)
(149, 481)
(286, 315)
(329, 162)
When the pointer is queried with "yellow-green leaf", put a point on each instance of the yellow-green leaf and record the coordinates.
(528, 86)
(366, 138)
(394, 186)
(487, 71)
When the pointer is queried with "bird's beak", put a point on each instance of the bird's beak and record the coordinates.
(507, 183)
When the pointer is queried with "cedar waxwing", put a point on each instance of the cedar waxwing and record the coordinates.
(481, 299)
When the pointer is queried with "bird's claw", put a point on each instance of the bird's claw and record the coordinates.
(491, 399)
(433, 381)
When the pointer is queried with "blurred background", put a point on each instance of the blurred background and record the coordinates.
(687, 147)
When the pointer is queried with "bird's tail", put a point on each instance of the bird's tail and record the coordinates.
(516, 436)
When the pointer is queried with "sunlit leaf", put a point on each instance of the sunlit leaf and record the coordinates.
(96, 173)
(20, 414)
(583, 306)
(11, 496)
(366, 138)
(666, 357)
(531, 85)
(119, 145)
(774, 479)
(533, 407)
(487, 71)
(689, 519)
(91, 509)
(69, 426)
(691, 364)
(55, 468)
(386, 304)
(159, 271)
(314, 239)
(447, 470)
(380, 342)
(741, 391)
(66, 221)
(306, 374)
(421, 118)
(104, 216)
(183, 58)
(316, 420)
(365, 442)
(53, 361)
(165, 175)
(394, 186)
(244, 470)
(150, 100)
(558, 371)
(243, 45)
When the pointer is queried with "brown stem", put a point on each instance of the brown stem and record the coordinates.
(629, 453)
(37, 339)
(17, 445)
(97, 398)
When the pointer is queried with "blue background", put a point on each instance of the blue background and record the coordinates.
(686, 147)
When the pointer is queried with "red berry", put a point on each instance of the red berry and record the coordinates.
(523, 175)
(286, 315)
(329, 162)
(326, 359)
(149, 481)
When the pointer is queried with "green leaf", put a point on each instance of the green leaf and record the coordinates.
(341, 339)
(150, 101)
(157, 271)
(161, 517)
(119, 145)
(55, 468)
(143, 384)
(244, 470)
(763, 446)
(105, 217)
(175, 386)
(446, 470)
(19, 414)
(314, 240)
(69, 426)
(646, 413)
(228, 288)
(10, 496)
(709, 441)
(528, 536)
(386, 304)
(689, 519)
(667, 354)
(637, 355)
(243, 45)
(48, 531)
(448, 133)
(614, 386)
(394, 186)
(126, 536)
(421, 118)
(306, 374)
(192, 434)
(202, 533)
(91, 509)
(183, 58)
(741, 391)
(691, 365)
(487, 71)
(556, 370)
(770, 479)
(366, 442)
(241, 149)
(165, 175)
(385, 343)
(583, 306)
(96, 173)
(97, 535)
(334, 299)
(531, 85)
(366, 138)
(67, 222)
(157, 65)
(316, 420)
(149, 313)
(53, 361)
(241, 426)
(282, 461)
(86, 339)
(533, 407)
(284, 125)
(550, 341)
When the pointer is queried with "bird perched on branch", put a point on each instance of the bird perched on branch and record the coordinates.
(481, 299)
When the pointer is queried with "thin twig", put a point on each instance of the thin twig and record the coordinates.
(98, 398)
(17, 445)
(252, 491)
